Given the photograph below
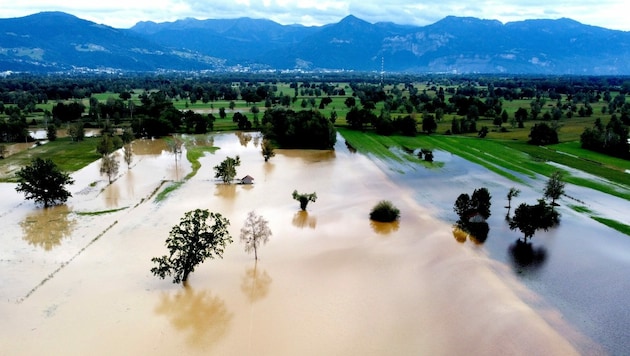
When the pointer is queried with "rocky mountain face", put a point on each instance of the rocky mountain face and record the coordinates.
(55, 41)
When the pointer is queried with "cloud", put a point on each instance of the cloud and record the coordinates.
(126, 13)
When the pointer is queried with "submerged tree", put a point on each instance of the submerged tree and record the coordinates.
(304, 199)
(43, 182)
(479, 204)
(226, 170)
(128, 154)
(191, 242)
(555, 187)
(530, 218)
(255, 232)
(175, 146)
(109, 166)
(385, 211)
(473, 212)
(267, 149)
(513, 193)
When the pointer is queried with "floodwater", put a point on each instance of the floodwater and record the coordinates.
(329, 281)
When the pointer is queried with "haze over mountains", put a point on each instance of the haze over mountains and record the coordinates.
(56, 41)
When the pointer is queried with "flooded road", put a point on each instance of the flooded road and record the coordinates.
(328, 282)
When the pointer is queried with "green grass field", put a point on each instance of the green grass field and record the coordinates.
(506, 157)
(67, 155)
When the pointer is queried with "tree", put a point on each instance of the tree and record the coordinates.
(175, 146)
(51, 132)
(520, 116)
(128, 154)
(43, 182)
(109, 166)
(385, 211)
(76, 131)
(478, 204)
(428, 123)
(530, 218)
(226, 170)
(255, 232)
(462, 207)
(267, 149)
(108, 144)
(480, 201)
(513, 193)
(127, 135)
(192, 242)
(554, 188)
(304, 199)
(543, 134)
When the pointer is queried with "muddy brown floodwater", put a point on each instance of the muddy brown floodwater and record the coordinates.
(328, 282)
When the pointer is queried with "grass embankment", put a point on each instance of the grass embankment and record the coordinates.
(508, 157)
(613, 224)
(193, 154)
(67, 155)
(101, 212)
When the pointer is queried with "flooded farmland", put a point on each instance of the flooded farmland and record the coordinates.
(328, 282)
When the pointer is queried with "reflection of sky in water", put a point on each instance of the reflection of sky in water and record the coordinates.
(570, 266)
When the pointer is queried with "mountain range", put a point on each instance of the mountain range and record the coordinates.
(60, 42)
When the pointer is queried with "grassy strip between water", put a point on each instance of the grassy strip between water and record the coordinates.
(102, 212)
(613, 224)
(623, 228)
(379, 146)
(508, 157)
(193, 154)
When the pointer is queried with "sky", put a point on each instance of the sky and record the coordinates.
(126, 13)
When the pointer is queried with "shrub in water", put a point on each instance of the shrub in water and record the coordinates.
(384, 211)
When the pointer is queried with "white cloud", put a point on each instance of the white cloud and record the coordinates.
(125, 13)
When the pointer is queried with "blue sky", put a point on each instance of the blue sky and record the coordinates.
(126, 13)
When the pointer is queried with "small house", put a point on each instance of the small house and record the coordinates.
(247, 180)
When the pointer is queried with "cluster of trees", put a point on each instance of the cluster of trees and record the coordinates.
(528, 218)
(473, 211)
(14, 128)
(304, 129)
(611, 139)
(542, 134)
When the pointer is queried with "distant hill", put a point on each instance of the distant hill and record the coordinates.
(56, 41)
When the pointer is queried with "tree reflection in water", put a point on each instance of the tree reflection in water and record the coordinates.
(227, 191)
(255, 284)
(243, 138)
(525, 257)
(301, 219)
(46, 228)
(476, 232)
(111, 195)
(202, 316)
(384, 228)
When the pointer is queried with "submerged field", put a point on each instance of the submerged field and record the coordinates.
(76, 278)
